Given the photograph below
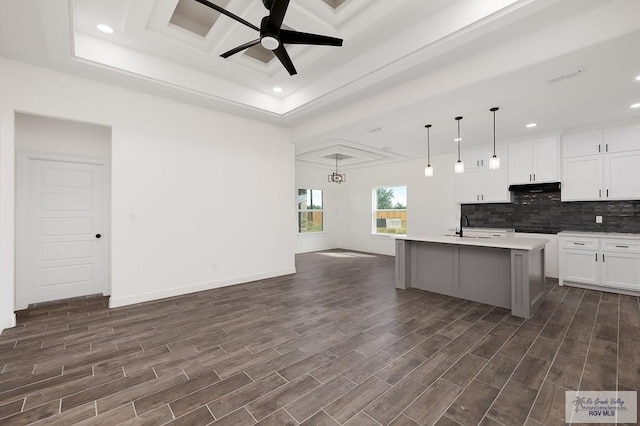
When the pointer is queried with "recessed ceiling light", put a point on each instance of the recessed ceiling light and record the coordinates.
(638, 78)
(636, 105)
(277, 89)
(375, 129)
(530, 125)
(105, 28)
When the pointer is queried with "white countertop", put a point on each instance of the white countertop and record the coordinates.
(599, 235)
(516, 243)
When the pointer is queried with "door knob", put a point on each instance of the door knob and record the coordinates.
(98, 235)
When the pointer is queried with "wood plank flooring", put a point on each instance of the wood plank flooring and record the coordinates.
(333, 344)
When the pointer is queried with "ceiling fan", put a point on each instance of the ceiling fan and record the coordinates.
(272, 36)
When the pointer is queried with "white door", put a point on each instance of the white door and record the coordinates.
(62, 230)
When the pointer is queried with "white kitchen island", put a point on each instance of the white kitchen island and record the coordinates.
(502, 271)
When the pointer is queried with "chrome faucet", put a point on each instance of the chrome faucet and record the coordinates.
(463, 218)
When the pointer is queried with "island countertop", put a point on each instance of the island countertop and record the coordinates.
(515, 243)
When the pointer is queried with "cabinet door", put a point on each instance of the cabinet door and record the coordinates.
(520, 163)
(580, 266)
(468, 186)
(621, 270)
(622, 175)
(494, 186)
(622, 139)
(470, 158)
(582, 178)
(545, 160)
(580, 144)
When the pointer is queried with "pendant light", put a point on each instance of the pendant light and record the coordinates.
(428, 170)
(336, 177)
(494, 162)
(459, 167)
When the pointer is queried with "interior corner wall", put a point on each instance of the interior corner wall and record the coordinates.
(190, 208)
(313, 177)
(431, 206)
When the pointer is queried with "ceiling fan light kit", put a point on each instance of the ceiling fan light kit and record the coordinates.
(272, 36)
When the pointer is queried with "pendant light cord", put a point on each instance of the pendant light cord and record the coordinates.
(428, 126)
(458, 120)
(494, 109)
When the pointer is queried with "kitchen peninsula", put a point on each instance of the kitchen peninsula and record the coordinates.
(503, 271)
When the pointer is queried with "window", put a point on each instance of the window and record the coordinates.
(390, 210)
(310, 213)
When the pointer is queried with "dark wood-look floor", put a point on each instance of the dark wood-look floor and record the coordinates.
(333, 344)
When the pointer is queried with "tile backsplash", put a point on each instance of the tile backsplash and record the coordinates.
(544, 213)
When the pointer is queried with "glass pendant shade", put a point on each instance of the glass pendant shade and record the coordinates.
(428, 171)
(459, 167)
(494, 163)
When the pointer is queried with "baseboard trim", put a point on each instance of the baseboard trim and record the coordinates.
(7, 322)
(115, 302)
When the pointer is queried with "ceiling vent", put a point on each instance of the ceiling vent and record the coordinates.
(565, 76)
(195, 17)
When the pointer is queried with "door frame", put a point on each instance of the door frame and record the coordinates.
(22, 176)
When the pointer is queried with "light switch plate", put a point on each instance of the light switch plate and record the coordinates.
(598, 219)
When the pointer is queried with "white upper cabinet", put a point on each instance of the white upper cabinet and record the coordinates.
(601, 165)
(533, 161)
(478, 184)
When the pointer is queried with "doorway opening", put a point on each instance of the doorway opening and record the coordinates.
(63, 193)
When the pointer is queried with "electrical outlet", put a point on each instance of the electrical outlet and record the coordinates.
(598, 219)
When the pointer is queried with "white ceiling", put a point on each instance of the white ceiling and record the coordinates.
(404, 63)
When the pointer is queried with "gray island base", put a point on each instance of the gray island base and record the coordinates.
(504, 271)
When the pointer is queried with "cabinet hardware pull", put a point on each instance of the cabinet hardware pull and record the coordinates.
(602, 257)
(622, 246)
(477, 197)
(596, 257)
(482, 197)
(598, 147)
(534, 177)
(606, 146)
(477, 162)
(607, 193)
(579, 244)
(600, 193)
(482, 162)
(529, 177)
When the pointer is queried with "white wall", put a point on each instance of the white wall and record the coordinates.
(431, 208)
(55, 136)
(206, 187)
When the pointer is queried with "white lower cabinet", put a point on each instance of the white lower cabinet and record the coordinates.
(609, 261)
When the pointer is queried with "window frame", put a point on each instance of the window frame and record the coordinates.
(312, 210)
(375, 210)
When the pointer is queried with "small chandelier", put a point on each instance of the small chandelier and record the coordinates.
(494, 162)
(336, 177)
(459, 166)
(428, 170)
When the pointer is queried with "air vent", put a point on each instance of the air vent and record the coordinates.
(334, 3)
(195, 17)
(565, 76)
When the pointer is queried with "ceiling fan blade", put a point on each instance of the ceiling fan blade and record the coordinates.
(241, 48)
(296, 37)
(281, 53)
(278, 9)
(226, 13)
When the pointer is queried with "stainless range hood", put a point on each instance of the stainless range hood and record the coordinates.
(536, 187)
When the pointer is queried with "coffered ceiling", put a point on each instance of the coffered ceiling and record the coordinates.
(404, 63)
